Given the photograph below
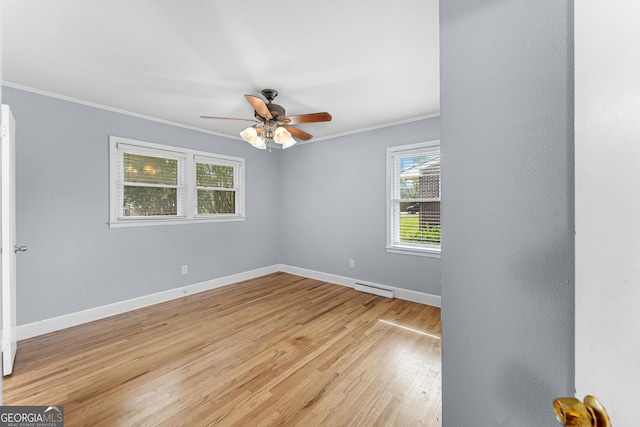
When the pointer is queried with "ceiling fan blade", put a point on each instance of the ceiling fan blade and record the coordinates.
(307, 118)
(259, 105)
(229, 118)
(300, 134)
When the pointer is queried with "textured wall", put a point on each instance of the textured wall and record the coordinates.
(75, 262)
(334, 208)
(507, 210)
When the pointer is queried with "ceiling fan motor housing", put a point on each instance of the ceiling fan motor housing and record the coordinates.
(275, 109)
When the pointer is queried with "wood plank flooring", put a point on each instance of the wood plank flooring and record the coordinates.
(277, 350)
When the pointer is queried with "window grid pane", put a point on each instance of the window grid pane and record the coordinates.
(216, 176)
(148, 169)
(212, 202)
(149, 201)
(420, 223)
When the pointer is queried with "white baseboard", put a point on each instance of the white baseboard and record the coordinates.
(405, 294)
(68, 320)
(419, 297)
(312, 274)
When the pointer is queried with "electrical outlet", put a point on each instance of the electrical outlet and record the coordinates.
(185, 269)
(352, 263)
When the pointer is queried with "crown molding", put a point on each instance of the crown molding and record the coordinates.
(197, 129)
(112, 109)
(380, 126)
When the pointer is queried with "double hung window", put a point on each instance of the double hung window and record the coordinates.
(215, 186)
(413, 198)
(155, 184)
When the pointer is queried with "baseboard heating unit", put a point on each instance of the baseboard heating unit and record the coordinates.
(374, 289)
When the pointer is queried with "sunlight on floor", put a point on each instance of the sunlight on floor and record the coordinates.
(409, 329)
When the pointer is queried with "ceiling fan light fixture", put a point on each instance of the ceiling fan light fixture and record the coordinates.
(289, 143)
(260, 143)
(282, 136)
(250, 135)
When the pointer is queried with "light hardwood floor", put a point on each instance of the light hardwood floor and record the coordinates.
(277, 350)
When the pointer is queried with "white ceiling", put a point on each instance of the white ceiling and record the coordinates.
(369, 63)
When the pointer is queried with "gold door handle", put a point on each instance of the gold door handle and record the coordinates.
(571, 412)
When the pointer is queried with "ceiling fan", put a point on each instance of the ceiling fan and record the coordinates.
(272, 123)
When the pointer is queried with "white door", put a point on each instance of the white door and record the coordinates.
(607, 171)
(8, 239)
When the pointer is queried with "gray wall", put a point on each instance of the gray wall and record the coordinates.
(75, 262)
(313, 207)
(507, 263)
(333, 208)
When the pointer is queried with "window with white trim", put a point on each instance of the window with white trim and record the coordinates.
(153, 184)
(413, 198)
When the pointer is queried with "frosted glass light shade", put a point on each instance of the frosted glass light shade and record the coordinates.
(250, 135)
(260, 143)
(281, 136)
(289, 143)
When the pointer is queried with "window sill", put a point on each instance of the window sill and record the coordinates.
(430, 253)
(172, 221)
